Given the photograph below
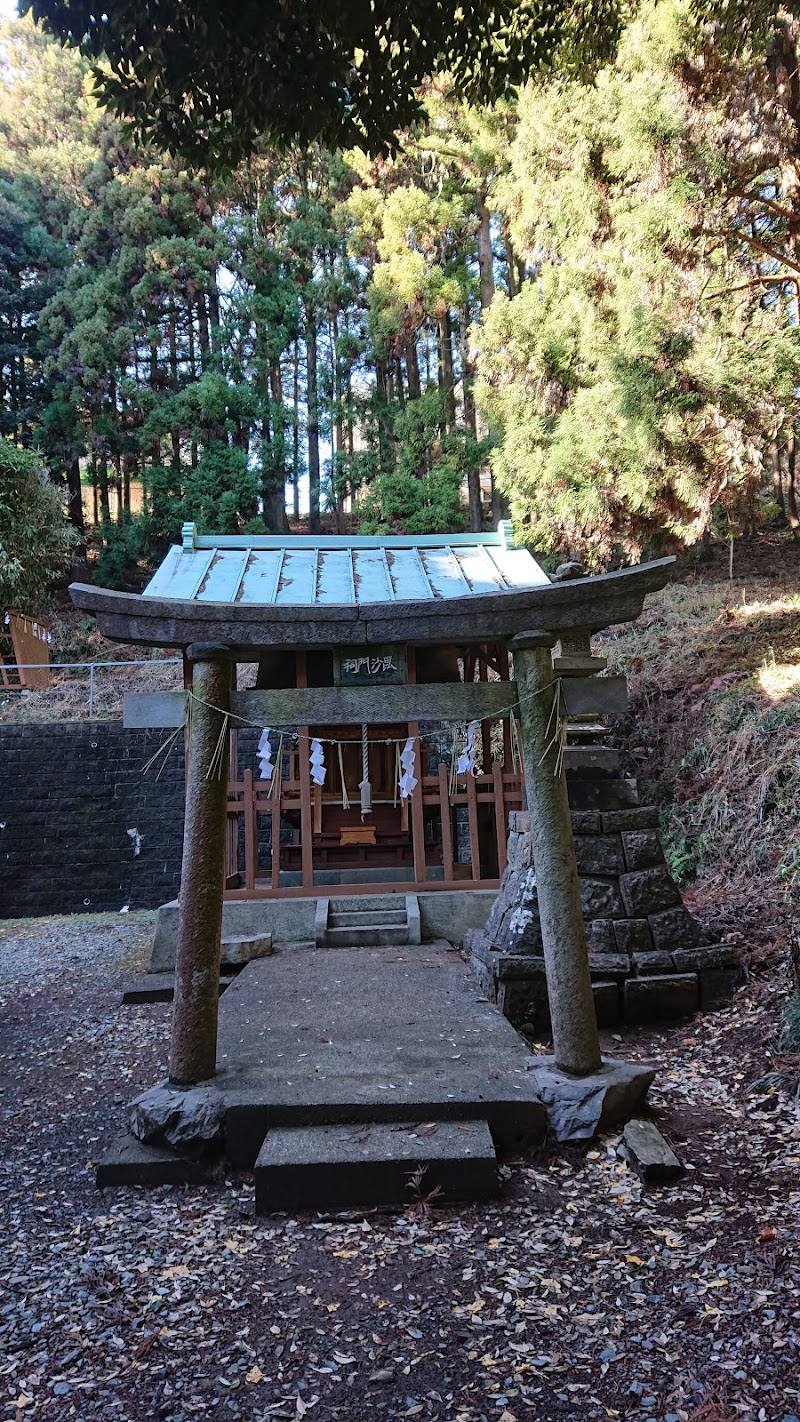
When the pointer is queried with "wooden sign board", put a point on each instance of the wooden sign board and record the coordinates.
(31, 642)
(380, 666)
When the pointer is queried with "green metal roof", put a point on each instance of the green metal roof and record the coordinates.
(268, 570)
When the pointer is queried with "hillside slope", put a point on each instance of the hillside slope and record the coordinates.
(713, 734)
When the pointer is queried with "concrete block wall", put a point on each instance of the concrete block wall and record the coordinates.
(82, 829)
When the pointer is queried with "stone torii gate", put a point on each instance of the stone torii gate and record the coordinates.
(516, 605)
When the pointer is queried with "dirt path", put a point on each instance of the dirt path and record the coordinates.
(579, 1295)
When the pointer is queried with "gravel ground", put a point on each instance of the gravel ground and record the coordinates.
(579, 1295)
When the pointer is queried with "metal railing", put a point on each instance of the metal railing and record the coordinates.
(91, 667)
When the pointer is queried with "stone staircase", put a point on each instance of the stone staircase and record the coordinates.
(367, 921)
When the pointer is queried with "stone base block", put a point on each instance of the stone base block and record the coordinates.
(661, 998)
(525, 1004)
(577, 1107)
(344, 1167)
(157, 987)
(187, 1119)
(603, 795)
(638, 817)
(705, 958)
(235, 952)
(632, 935)
(610, 965)
(606, 1004)
(717, 988)
(646, 1152)
(674, 929)
(650, 965)
(131, 1162)
(648, 891)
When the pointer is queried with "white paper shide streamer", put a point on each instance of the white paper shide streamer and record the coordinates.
(408, 760)
(317, 762)
(466, 760)
(265, 762)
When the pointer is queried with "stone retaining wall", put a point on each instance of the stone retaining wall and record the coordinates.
(82, 829)
(648, 956)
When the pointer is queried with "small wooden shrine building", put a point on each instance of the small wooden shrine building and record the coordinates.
(297, 828)
(372, 659)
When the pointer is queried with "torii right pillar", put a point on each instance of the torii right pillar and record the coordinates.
(581, 1091)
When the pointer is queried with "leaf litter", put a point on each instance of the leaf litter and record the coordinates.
(579, 1294)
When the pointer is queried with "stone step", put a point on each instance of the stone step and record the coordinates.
(235, 952)
(357, 918)
(129, 1162)
(157, 987)
(355, 903)
(368, 936)
(349, 1166)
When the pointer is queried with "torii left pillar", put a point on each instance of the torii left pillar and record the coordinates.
(193, 1048)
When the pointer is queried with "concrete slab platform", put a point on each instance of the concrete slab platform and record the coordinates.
(129, 1162)
(344, 1167)
(383, 1035)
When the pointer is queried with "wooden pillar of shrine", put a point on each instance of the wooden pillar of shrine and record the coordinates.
(193, 1046)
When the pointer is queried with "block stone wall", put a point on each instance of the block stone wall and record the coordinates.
(82, 829)
(648, 957)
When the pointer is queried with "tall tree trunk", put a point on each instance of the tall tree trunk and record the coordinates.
(214, 316)
(155, 448)
(412, 367)
(446, 377)
(75, 497)
(337, 424)
(792, 512)
(777, 479)
(485, 253)
(175, 434)
(278, 492)
(467, 379)
(383, 391)
(467, 373)
(118, 487)
(398, 382)
(203, 333)
(512, 273)
(196, 372)
(102, 481)
(296, 432)
(312, 420)
(127, 460)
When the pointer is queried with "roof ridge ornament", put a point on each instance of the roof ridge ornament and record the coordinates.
(188, 537)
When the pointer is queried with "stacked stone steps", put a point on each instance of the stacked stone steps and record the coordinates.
(363, 921)
(368, 1164)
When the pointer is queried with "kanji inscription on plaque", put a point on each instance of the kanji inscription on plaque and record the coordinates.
(380, 666)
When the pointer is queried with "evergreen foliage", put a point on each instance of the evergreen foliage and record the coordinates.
(35, 539)
(208, 80)
(581, 302)
(635, 393)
